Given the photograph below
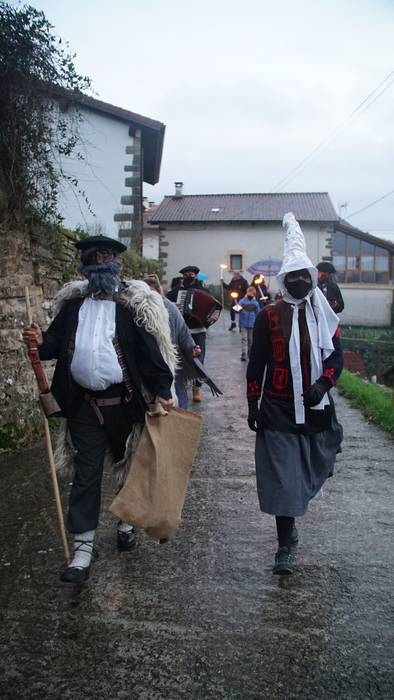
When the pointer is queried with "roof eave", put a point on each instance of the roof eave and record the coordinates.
(239, 221)
(152, 132)
(345, 227)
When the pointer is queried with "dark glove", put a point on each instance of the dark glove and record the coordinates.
(253, 415)
(315, 393)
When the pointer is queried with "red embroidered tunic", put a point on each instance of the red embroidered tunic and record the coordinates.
(270, 355)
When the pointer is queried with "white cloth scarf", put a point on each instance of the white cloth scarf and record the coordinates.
(322, 323)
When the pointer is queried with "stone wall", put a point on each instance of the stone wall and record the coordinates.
(24, 261)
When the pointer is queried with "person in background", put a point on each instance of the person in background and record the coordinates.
(247, 319)
(198, 331)
(237, 284)
(263, 296)
(277, 297)
(176, 282)
(181, 337)
(326, 282)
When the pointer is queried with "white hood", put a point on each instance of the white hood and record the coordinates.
(294, 254)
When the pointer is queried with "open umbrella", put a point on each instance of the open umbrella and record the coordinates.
(267, 267)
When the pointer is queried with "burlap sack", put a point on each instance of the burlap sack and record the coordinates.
(153, 494)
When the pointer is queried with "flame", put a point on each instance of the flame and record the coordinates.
(234, 295)
(259, 280)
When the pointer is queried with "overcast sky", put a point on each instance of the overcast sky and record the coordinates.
(248, 89)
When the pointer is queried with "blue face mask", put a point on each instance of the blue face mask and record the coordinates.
(104, 277)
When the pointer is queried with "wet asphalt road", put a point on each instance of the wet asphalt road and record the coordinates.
(202, 616)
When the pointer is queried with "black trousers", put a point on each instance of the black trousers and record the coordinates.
(91, 440)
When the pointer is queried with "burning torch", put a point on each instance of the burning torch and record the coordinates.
(234, 296)
(258, 281)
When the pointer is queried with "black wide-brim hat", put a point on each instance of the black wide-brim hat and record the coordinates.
(102, 242)
(190, 268)
(326, 267)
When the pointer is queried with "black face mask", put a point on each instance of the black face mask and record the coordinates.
(299, 288)
(188, 281)
(250, 296)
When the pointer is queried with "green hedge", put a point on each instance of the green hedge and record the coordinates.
(375, 401)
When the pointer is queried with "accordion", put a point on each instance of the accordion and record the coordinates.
(198, 305)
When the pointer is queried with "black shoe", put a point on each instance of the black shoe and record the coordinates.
(284, 562)
(78, 575)
(126, 540)
(294, 536)
(75, 575)
(233, 327)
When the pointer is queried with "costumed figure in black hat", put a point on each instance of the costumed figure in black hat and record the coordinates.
(326, 282)
(112, 343)
(296, 346)
(197, 320)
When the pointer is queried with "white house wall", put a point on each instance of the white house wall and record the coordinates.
(150, 245)
(367, 305)
(101, 175)
(210, 245)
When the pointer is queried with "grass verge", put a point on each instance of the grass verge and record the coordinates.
(375, 401)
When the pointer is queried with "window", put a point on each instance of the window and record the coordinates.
(382, 266)
(359, 261)
(236, 262)
(339, 243)
(382, 263)
(353, 244)
(367, 248)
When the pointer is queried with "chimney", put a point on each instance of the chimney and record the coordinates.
(178, 189)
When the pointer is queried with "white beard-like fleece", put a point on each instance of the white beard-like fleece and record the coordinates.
(148, 310)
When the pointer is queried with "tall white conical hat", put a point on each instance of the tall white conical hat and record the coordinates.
(294, 254)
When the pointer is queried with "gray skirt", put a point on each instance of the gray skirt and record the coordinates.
(291, 469)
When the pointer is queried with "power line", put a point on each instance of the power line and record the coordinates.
(371, 204)
(362, 107)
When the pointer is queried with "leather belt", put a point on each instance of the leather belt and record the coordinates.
(97, 403)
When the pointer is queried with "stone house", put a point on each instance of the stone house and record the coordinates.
(121, 150)
(237, 230)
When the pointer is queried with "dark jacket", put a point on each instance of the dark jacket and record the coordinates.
(143, 359)
(333, 294)
(270, 353)
(239, 285)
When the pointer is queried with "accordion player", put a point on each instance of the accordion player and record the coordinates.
(198, 305)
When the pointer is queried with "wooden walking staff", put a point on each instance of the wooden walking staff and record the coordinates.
(49, 407)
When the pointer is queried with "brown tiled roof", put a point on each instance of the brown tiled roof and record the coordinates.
(306, 206)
